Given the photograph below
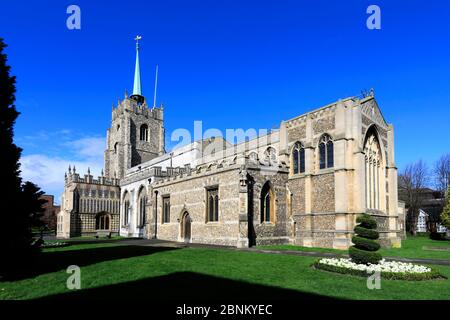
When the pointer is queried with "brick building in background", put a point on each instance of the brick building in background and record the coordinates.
(51, 210)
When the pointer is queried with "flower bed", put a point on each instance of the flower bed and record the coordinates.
(391, 270)
(54, 244)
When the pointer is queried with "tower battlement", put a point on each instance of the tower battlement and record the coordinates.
(131, 105)
(71, 176)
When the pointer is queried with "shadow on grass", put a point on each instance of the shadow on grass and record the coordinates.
(47, 262)
(186, 286)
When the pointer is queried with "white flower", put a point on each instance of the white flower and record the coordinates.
(382, 266)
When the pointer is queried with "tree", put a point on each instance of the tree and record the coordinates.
(442, 175)
(365, 246)
(22, 205)
(445, 215)
(412, 181)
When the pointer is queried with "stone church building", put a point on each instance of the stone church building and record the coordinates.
(304, 183)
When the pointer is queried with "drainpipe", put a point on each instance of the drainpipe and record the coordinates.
(156, 214)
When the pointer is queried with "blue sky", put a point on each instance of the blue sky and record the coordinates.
(231, 64)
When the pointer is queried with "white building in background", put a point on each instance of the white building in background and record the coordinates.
(422, 223)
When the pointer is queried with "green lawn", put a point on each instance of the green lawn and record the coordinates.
(412, 247)
(112, 270)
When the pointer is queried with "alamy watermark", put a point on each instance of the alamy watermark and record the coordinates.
(374, 280)
(374, 20)
(216, 145)
(73, 21)
(74, 280)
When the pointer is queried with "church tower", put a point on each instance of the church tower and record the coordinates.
(136, 134)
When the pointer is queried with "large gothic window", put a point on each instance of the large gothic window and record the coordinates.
(267, 203)
(374, 171)
(144, 132)
(298, 158)
(142, 201)
(326, 152)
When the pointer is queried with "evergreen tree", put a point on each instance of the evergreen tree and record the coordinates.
(21, 204)
(445, 215)
(364, 250)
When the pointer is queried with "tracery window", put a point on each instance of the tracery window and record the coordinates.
(326, 152)
(374, 171)
(298, 158)
(212, 205)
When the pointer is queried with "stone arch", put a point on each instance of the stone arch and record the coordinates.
(253, 156)
(270, 154)
(185, 226)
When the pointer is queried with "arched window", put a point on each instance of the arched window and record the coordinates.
(267, 204)
(326, 152)
(115, 147)
(213, 205)
(142, 200)
(144, 132)
(374, 171)
(298, 158)
(102, 222)
(126, 209)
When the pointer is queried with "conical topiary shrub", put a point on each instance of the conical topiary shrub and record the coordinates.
(365, 246)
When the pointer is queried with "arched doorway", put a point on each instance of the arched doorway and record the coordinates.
(185, 225)
(102, 221)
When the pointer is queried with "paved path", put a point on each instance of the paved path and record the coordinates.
(172, 244)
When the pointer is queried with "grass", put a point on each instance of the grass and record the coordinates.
(412, 247)
(109, 270)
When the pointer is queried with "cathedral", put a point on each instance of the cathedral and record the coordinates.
(303, 183)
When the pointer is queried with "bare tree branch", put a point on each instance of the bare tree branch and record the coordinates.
(442, 174)
(412, 181)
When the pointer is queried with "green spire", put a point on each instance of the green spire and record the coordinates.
(137, 91)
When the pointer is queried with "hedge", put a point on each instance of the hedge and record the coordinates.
(365, 244)
(364, 257)
(366, 233)
(366, 221)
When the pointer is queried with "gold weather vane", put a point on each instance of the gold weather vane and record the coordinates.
(138, 38)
